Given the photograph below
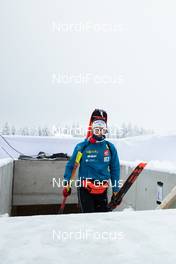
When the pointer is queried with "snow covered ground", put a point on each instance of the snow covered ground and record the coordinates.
(124, 237)
(158, 150)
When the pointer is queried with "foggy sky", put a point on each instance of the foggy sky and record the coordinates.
(140, 55)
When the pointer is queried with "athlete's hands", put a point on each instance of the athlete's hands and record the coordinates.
(114, 201)
(66, 191)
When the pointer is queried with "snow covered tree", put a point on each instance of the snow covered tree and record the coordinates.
(13, 130)
(6, 129)
(39, 131)
(25, 131)
(45, 131)
(124, 130)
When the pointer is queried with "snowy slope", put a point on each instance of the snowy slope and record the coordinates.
(124, 237)
(153, 147)
(159, 150)
(29, 145)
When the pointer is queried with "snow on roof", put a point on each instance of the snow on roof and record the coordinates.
(3, 162)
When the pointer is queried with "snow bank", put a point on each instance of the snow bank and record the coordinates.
(157, 150)
(155, 165)
(4, 162)
(29, 145)
(127, 237)
(148, 148)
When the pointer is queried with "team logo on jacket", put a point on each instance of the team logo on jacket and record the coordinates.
(106, 159)
(106, 153)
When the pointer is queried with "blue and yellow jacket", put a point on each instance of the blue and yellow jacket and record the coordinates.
(99, 162)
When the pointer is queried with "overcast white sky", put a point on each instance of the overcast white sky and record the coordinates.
(127, 53)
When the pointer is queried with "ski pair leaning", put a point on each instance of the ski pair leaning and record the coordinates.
(126, 186)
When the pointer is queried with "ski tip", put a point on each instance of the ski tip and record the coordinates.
(142, 164)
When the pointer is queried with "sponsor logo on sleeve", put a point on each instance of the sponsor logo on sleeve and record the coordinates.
(106, 153)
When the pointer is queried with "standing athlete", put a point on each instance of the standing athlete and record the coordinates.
(99, 163)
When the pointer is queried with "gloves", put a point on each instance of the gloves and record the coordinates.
(66, 191)
(115, 201)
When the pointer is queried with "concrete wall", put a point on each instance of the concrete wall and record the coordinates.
(143, 195)
(33, 184)
(6, 178)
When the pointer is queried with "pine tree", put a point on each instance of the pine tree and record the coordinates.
(13, 130)
(6, 129)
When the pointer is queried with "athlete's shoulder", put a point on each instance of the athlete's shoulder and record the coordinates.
(110, 145)
(82, 144)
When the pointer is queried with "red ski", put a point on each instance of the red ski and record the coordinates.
(126, 186)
